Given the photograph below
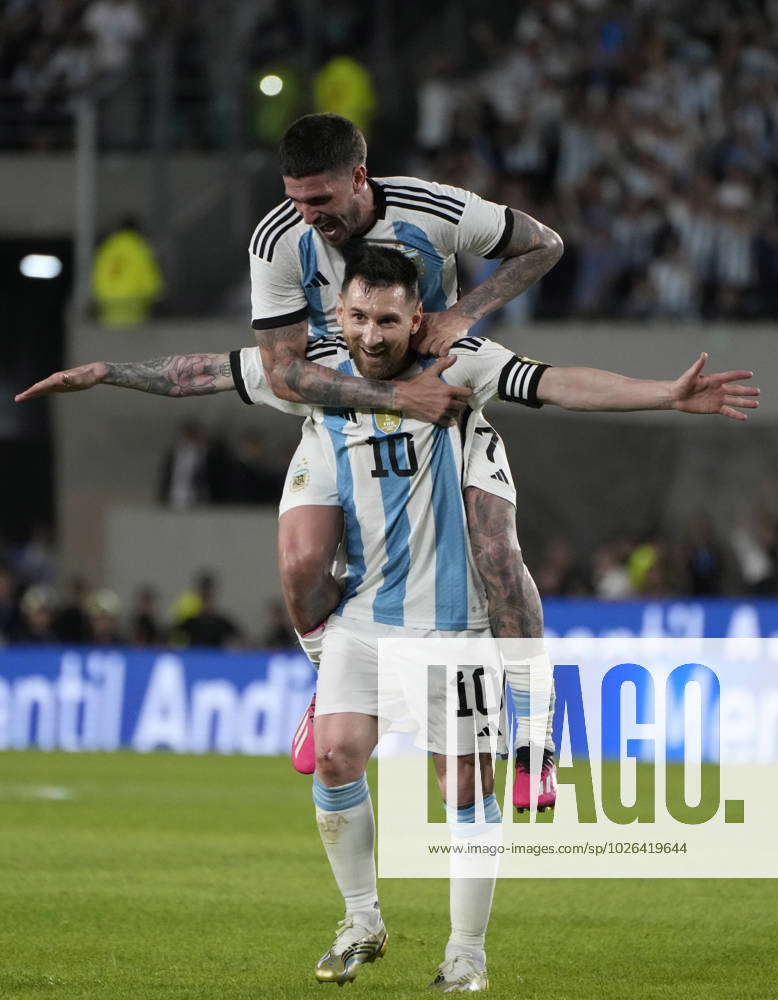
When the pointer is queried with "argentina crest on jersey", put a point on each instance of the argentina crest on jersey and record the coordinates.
(387, 422)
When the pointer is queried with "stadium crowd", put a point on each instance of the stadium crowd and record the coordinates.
(34, 611)
(644, 131)
(204, 468)
(53, 50)
(699, 563)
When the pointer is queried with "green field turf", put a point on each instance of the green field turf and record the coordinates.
(193, 877)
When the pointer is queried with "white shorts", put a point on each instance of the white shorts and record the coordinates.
(311, 479)
(348, 682)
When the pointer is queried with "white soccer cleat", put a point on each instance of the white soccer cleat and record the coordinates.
(460, 975)
(354, 946)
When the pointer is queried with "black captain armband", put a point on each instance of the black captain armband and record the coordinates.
(504, 239)
(237, 378)
(274, 322)
(519, 380)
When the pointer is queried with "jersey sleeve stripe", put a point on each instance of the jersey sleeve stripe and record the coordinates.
(514, 388)
(525, 379)
(268, 222)
(274, 232)
(428, 191)
(422, 208)
(532, 387)
(324, 343)
(237, 378)
(469, 343)
(504, 375)
(317, 355)
(518, 382)
(288, 319)
(504, 240)
(279, 233)
(427, 200)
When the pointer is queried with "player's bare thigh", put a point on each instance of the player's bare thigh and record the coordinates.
(344, 743)
(466, 775)
(308, 539)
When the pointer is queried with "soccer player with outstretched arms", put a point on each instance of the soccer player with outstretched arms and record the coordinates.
(396, 483)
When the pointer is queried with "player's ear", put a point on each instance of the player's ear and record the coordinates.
(417, 317)
(359, 177)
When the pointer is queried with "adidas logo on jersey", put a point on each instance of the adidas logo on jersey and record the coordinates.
(317, 281)
(500, 476)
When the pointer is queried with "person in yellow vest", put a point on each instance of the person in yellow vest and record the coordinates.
(345, 87)
(126, 280)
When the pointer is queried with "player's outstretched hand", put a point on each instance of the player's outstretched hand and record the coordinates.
(694, 392)
(72, 380)
(438, 331)
(427, 397)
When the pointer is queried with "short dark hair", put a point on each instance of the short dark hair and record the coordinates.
(382, 267)
(317, 144)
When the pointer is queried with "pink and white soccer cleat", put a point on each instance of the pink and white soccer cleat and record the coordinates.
(521, 781)
(303, 747)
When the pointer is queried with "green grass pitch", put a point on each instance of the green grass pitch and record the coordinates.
(168, 877)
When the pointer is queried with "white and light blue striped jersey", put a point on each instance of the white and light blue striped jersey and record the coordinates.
(399, 482)
(296, 275)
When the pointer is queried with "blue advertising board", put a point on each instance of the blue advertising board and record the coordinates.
(197, 701)
(190, 702)
(712, 618)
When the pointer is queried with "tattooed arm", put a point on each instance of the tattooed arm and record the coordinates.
(531, 251)
(425, 397)
(176, 375)
(514, 605)
(291, 377)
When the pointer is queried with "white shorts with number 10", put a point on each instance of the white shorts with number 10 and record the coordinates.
(451, 713)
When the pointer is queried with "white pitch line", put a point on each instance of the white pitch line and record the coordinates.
(50, 793)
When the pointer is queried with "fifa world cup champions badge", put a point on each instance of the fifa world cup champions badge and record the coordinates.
(655, 776)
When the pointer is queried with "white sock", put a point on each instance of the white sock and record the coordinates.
(344, 815)
(531, 683)
(470, 903)
(470, 899)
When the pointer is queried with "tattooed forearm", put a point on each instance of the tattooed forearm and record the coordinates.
(532, 251)
(511, 278)
(514, 604)
(531, 608)
(324, 387)
(176, 375)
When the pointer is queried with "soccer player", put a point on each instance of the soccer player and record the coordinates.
(386, 473)
(297, 255)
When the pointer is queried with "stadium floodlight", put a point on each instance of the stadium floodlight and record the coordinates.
(271, 85)
(40, 265)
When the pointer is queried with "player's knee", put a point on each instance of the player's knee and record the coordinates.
(466, 784)
(339, 761)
